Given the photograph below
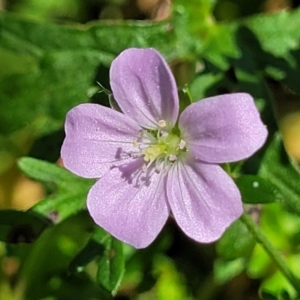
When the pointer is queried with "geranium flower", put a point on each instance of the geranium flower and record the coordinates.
(151, 163)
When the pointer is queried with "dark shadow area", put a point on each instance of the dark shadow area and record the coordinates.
(48, 146)
(21, 227)
(101, 76)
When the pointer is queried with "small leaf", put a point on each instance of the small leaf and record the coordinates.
(61, 206)
(203, 85)
(276, 168)
(111, 266)
(236, 242)
(52, 253)
(69, 191)
(170, 283)
(267, 296)
(255, 189)
(225, 270)
(47, 172)
(86, 255)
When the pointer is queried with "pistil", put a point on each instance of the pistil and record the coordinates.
(159, 147)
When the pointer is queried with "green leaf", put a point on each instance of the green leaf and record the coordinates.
(204, 84)
(225, 270)
(277, 33)
(42, 272)
(267, 296)
(59, 207)
(278, 285)
(236, 242)
(255, 189)
(92, 250)
(269, 43)
(105, 37)
(21, 227)
(46, 172)
(199, 13)
(170, 283)
(41, 97)
(52, 67)
(262, 44)
(111, 266)
(220, 46)
(13, 63)
(68, 190)
(276, 168)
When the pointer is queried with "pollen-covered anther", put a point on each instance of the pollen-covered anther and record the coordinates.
(172, 157)
(162, 123)
(144, 168)
(182, 144)
(135, 143)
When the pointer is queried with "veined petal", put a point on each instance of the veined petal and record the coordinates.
(129, 205)
(223, 128)
(144, 87)
(97, 138)
(203, 199)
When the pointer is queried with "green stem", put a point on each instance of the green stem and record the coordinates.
(273, 253)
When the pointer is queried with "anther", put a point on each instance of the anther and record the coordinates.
(162, 123)
(182, 144)
(135, 143)
(172, 157)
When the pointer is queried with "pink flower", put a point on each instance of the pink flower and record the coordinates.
(151, 163)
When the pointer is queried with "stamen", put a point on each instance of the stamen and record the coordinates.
(162, 123)
(144, 168)
(172, 157)
(158, 148)
(182, 144)
(135, 155)
(135, 143)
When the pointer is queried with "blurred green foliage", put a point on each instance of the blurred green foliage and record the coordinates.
(52, 53)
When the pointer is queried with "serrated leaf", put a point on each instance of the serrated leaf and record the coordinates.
(277, 33)
(255, 190)
(272, 42)
(266, 43)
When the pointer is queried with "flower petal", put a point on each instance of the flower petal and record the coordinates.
(203, 199)
(128, 205)
(97, 138)
(223, 128)
(144, 87)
